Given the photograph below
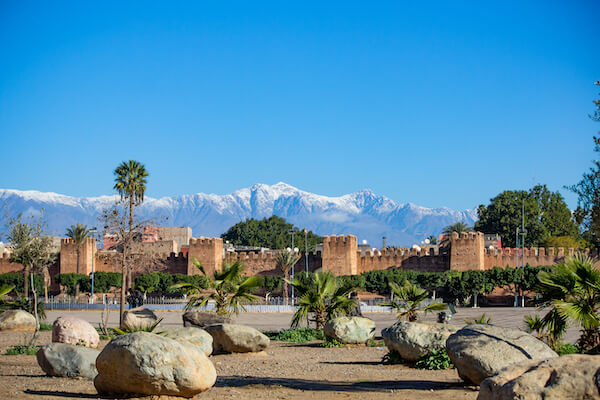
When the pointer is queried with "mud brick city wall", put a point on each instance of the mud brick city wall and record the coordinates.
(420, 260)
(68, 256)
(209, 251)
(340, 254)
(264, 263)
(7, 266)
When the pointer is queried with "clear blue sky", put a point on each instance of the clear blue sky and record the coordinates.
(436, 103)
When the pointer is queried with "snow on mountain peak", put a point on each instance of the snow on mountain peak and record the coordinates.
(362, 213)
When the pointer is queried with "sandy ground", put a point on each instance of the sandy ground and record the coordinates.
(283, 371)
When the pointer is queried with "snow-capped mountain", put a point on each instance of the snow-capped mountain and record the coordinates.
(364, 213)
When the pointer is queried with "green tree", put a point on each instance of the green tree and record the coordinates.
(272, 232)
(130, 183)
(407, 301)
(572, 290)
(227, 288)
(78, 233)
(546, 214)
(320, 295)
(32, 247)
(285, 260)
(458, 227)
(432, 239)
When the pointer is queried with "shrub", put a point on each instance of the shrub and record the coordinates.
(437, 359)
(567, 348)
(329, 343)
(300, 335)
(137, 328)
(483, 319)
(375, 343)
(22, 350)
(45, 327)
(393, 357)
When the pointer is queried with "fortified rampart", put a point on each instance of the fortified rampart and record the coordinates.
(209, 251)
(340, 255)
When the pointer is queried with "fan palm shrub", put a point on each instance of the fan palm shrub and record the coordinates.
(227, 288)
(320, 295)
(572, 290)
(285, 260)
(407, 301)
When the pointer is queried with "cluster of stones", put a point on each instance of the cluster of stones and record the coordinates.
(506, 363)
(174, 362)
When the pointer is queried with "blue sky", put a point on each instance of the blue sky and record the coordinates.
(436, 103)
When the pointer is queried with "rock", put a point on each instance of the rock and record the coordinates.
(67, 360)
(231, 338)
(574, 376)
(196, 336)
(17, 321)
(150, 364)
(350, 329)
(72, 330)
(203, 319)
(413, 339)
(138, 318)
(480, 351)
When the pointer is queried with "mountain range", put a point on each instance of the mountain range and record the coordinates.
(365, 214)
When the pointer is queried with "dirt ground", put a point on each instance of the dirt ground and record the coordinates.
(283, 371)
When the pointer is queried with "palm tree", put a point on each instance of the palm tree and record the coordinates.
(130, 182)
(458, 227)
(78, 233)
(227, 288)
(572, 289)
(408, 299)
(285, 260)
(319, 294)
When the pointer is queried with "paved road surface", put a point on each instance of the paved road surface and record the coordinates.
(502, 316)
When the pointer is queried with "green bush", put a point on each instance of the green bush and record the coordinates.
(437, 359)
(329, 343)
(300, 335)
(45, 327)
(22, 350)
(375, 343)
(272, 284)
(567, 348)
(71, 280)
(16, 279)
(104, 282)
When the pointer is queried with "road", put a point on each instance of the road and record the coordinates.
(508, 317)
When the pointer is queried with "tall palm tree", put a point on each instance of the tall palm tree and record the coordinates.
(408, 299)
(319, 294)
(130, 182)
(572, 289)
(78, 233)
(458, 227)
(227, 288)
(285, 260)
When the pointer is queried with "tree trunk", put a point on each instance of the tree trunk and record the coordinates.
(285, 290)
(35, 313)
(78, 251)
(123, 289)
(26, 281)
(319, 319)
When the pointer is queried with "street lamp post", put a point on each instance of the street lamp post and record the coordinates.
(93, 231)
(306, 250)
(292, 231)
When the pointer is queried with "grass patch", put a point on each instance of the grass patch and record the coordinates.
(45, 327)
(375, 343)
(437, 359)
(329, 343)
(300, 335)
(21, 349)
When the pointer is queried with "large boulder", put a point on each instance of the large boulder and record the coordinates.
(480, 351)
(17, 321)
(72, 330)
(231, 338)
(195, 336)
(414, 339)
(150, 364)
(138, 318)
(574, 376)
(202, 319)
(67, 360)
(350, 329)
